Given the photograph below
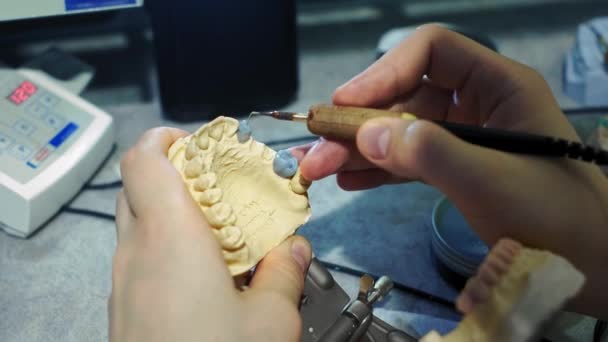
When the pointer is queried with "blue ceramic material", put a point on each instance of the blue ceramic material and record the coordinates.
(244, 132)
(285, 164)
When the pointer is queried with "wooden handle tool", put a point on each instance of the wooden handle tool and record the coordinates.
(335, 122)
(339, 122)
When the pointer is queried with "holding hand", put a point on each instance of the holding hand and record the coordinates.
(169, 279)
(556, 204)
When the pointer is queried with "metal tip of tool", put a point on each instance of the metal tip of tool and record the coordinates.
(256, 113)
(299, 117)
(287, 116)
(252, 114)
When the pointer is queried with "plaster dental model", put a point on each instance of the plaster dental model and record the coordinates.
(515, 291)
(253, 197)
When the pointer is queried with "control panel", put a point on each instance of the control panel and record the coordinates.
(51, 142)
(36, 126)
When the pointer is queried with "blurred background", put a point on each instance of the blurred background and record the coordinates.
(335, 39)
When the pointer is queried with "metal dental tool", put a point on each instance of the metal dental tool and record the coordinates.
(288, 116)
(340, 122)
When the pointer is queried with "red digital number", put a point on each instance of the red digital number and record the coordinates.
(18, 96)
(23, 92)
(28, 87)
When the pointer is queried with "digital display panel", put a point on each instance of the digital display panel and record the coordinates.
(73, 5)
(24, 91)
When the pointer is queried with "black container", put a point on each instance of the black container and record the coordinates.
(219, 57)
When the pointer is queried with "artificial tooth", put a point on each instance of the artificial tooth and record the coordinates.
(243, 133)
(203, 141)
(299, 184)
(210, 197)
(194, 168)
(191, 150)
(235, 256)
(231, 128)
(207, 162)
(205, 181)
(216, 131)
(231, 238)
(219, 214)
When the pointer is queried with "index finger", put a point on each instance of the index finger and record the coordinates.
(150, 180)
(449, 59)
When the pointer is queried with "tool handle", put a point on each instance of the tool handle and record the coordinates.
(339, 122)
(525, 143)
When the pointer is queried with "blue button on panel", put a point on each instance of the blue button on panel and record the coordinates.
(63, 135)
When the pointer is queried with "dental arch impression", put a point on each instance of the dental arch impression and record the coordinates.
(250, 207)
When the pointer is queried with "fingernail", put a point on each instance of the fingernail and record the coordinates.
(300, 252)
(315, 147)
(375, 140)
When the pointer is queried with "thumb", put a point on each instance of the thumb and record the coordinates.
(283, 270)
(419, 149)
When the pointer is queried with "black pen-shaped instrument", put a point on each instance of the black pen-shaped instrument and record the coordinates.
(340, 122)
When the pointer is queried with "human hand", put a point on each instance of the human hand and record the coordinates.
(169, 279)
(556, 204)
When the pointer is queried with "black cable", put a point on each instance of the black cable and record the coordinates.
(599, 330)
(397, 285)
(91, 213)
(585, 110)
(104, 186)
